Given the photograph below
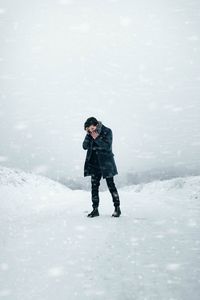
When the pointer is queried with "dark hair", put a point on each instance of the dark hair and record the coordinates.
(90, 121)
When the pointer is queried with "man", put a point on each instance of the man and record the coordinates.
(100, 162)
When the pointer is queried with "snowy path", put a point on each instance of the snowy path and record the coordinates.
(151, 252)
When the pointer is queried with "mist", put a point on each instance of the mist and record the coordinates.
(134, 65)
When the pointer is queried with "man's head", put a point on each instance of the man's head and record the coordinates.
(91, 124)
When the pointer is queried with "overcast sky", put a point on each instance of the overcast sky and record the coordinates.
(134, 65)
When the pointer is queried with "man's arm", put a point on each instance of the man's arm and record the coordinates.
(87, 142)
(104, 142)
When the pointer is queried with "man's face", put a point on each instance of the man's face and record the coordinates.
(92, 128)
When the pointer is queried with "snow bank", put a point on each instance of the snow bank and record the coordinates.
(24, 193)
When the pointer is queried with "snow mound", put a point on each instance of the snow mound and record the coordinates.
(25, 193)
(16, 177)
(189, 186)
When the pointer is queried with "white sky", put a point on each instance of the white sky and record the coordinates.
(132, 64)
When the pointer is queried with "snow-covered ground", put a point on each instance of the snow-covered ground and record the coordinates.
(50, 250)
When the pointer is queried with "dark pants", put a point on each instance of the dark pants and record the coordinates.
(95, 183)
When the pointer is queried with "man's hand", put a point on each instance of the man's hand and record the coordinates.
(87, 130)
(94, 134)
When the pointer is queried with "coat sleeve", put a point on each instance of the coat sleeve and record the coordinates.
(104, 142)
(87, 142)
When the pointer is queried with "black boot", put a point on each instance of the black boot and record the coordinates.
(94, 213)
(117, 212)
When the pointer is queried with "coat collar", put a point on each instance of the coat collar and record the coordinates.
(102, 129)
(99, 127)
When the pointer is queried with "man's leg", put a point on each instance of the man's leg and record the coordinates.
(113, 191)
(95, 183)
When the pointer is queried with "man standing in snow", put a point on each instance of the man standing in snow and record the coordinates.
(100, 162)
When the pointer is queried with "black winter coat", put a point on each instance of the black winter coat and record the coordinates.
(102, 145)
